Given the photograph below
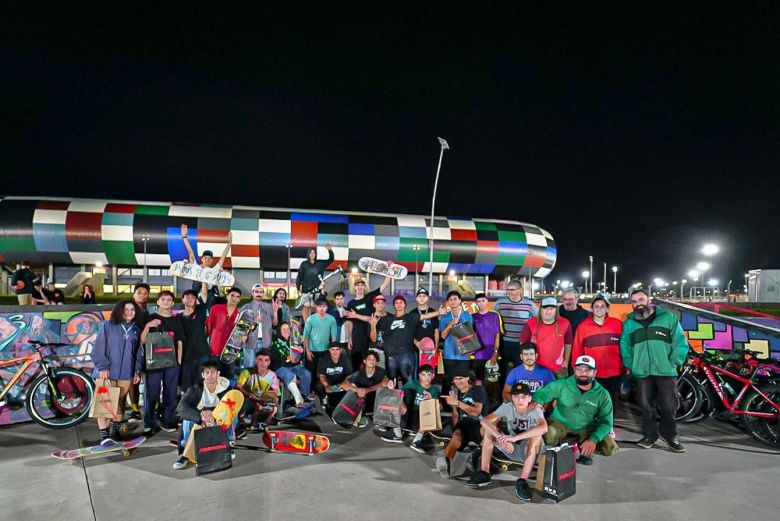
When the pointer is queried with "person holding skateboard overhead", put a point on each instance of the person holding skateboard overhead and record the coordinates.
(308, 278)
(523, 443)
(206, 261)
(359, 309)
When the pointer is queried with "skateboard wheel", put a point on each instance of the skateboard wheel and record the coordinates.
(504, 467)
(125, 453)
(441, 444)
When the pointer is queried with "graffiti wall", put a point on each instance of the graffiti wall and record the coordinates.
(78, 329)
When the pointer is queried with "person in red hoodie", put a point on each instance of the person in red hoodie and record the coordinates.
(552, 335)
(599, 336)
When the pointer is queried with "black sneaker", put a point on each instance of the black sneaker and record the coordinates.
(169, 427)
(135, 416)
(181, 463)
(675, 446)
(443, 466)
(522, 490)
(392, 437)
(585, 460)
(645, 443)
(240, 433)
(417, 446)
(116, 435)
(479, 479)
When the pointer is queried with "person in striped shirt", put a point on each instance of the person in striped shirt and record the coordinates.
(515, 311)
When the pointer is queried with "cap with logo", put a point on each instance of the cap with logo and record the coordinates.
(255, 286)
(380, 297)
(422, 291)
(586, 360)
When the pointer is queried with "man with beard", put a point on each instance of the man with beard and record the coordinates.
(571, 310)
(583, 408)
(653, 345)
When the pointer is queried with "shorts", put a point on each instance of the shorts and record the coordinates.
(471, 432)
(308, 299)
(521, 448)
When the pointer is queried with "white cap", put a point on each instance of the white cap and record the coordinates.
(255, 286)
(586, 360)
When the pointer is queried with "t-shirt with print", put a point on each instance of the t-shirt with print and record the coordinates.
(415, 387)
(516, 422)
(475, 394)
(256, 384)
(398, 333)
(535, 379)
(360, 330)
(427, 326)
(360, 379)
(334, 372)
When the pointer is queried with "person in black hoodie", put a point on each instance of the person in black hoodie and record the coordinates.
(308, 278)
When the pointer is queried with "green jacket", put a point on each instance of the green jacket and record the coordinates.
(655, 350)
(591, 410)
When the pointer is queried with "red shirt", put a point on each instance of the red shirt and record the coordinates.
(550, 340)
(602, 343)
(219, 326)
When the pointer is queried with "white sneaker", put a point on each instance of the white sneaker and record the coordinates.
(181, 463)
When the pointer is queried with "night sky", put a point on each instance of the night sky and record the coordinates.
(631, 136)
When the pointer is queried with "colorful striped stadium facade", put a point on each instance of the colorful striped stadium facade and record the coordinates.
(87, 231)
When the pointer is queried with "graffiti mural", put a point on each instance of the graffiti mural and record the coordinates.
(76, 328)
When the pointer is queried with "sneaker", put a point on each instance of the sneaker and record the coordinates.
(479, 479)
(393, 437)
(107, 441)
(363, 423)
(169, 427)
(645, 443)
(522, 490)
(675, 446)
(443, 466)
(151, 431)
(417, 446)
(585, 460)
(240, 433)
(181, 463)
(135, 416)
(381, 428)
(115, 435)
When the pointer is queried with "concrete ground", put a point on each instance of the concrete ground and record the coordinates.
(724, 475)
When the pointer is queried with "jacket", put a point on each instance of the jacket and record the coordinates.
(122, 358)
(308, 273)
(574, 317)
(589, 411)
(655, 350)
(602, 343)
(188, 405)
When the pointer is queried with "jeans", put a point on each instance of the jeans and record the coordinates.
(404, 365)
(169, 380)
(249, 354)
(658, 399)
(288, 374)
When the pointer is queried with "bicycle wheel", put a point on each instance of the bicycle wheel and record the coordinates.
(689, 398)
(766, 430)
(71, 407)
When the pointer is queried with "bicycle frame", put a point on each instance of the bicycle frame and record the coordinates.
(24, 363)
(747, 383)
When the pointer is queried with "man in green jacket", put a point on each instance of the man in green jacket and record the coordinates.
(653, 345)
(583, 409)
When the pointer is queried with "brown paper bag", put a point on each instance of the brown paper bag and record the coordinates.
(440, 364)
(106, 402)
(430, 415)
(189, 448)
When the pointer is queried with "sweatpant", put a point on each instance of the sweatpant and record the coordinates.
(168, 379)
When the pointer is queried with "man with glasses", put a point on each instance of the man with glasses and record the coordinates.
(515, 311)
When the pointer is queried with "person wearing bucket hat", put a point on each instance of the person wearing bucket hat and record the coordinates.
(583, 409)
(598, 336)
(553, 338)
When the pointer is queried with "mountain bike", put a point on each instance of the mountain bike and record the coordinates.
(56, 397)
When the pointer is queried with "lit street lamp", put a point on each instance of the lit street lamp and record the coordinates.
(614, 278)
(710, 249)
(586, 276)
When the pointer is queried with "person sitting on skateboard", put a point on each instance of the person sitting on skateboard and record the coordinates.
(196, 405)
(522, 443)
(583, 408)
(467, 401)
(332, 371)
(415, 391)
(261, 387)
(365, 381)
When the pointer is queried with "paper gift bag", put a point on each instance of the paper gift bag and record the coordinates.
(430, 415)
(106, 402)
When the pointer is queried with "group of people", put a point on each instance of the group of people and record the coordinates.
(561, 366)
(30, 291)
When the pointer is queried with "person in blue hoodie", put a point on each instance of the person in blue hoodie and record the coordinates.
(117, 357)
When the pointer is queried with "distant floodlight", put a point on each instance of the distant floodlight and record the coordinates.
(713, 282)
(98, 264)
(614, 269)
(703, 266)
(585, 274)
(694, 274)
(710, 249)
(452, 272)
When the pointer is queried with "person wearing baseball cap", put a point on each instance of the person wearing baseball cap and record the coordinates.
(522, 443)
(652, 346)
(429, 327)
(553, 337)
(318, 333)
(598, 336)
(358, 310)
(583, 409)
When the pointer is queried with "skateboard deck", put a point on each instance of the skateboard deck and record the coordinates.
(234, 346)
(296, 340)
(299, 442)
(124, 447)
(428, 353)
(380, 267)
(192, 271)
(228, 408)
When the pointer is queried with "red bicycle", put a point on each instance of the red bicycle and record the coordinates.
(749, 391)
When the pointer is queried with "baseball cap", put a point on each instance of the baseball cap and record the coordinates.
(399, 297)
(421, 291)
(521, 388)
(207, 253)
(464, 372)
(360, 281)
(380, 297)
(549, 301)
(255, 286)
(600, 297)
(586, 360)
(334, 344)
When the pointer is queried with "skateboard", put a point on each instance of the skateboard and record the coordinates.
(338, 271)
(192, 271)
(296, 340)
(74, 455)
(228, 408)
(428, 353)
(299, 442)
(233, 348)
(380, 267)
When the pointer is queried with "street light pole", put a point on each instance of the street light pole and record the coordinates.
(614, 279)
(444, 146)
(289, 246)
(145, 238)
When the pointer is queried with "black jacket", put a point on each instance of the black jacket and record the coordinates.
(308, 272)
(188, 406)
